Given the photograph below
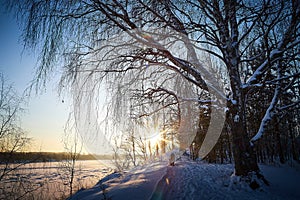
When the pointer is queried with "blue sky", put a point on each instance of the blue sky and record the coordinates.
(45, 114)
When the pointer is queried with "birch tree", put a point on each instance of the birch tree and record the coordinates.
(72, 34)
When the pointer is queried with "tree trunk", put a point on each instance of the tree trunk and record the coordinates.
(244, 156)
(293, 142)
(279, 145)
(204, 119)
(163, 143)
(197, 142)
(243, 153)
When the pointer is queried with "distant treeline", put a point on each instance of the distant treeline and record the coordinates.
(15, 157)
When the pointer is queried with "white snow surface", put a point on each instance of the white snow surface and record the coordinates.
(189, 180)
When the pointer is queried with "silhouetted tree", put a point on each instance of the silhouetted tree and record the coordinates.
(13, 139)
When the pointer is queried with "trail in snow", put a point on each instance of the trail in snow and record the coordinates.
(184, 181)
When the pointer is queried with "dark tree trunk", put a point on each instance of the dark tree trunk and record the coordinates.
(244, 156)
(222, 152)
(204, 119)
(279, 145)
(293, 142)
(197, 142)
(229, 149)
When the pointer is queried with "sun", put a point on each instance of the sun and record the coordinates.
(154, 139)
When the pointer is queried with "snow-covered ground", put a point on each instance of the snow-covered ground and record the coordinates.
(192, 180)
(49, 180)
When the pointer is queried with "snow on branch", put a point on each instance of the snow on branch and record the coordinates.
(270, 111)
(263, 67)
(287, 42)
(267, 117)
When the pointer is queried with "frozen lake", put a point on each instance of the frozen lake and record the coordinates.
(51, 180)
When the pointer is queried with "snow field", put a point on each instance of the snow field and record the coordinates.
(189, 180)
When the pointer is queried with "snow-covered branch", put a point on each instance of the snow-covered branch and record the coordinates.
(288, 41)
(270, 111)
